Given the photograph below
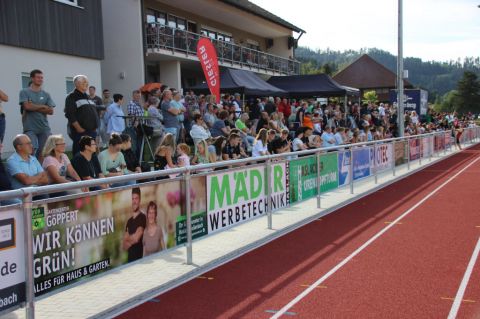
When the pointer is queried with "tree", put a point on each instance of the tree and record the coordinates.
(370, 96)
(468, 93)
(449, 102)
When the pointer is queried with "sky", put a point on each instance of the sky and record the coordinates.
(438, 30)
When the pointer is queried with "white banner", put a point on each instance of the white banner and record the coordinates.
(12, 259)
(427, 146)
(382, 157)
(240, 194)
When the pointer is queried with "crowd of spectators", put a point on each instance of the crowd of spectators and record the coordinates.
(184, 130)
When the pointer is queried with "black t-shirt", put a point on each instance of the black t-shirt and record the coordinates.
(131, 160)
(136, 250)
(230, 150)
(85, 168)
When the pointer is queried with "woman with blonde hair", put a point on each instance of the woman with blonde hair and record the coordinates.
(56, 162)
(153, 236)
(260, 145)
(202, 155)
(165, 153)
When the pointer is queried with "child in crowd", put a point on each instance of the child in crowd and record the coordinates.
(183, 159)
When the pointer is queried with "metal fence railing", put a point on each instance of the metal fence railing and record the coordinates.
(200, 201)
(159, 36)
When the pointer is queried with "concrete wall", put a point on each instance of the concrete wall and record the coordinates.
(170, 74)
(56, 68)
(124, 57)
(280, 47)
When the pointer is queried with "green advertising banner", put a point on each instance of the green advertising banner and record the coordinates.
(303, 176)
(328, 172)
(77, 238)
(240, 194)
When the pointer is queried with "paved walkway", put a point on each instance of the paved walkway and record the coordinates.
(118, 290)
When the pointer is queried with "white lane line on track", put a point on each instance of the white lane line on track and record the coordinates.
(365, 245)
(463, 285)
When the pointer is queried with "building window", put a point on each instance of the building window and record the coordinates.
(216, 35)
(73, 3)
(25, 80)
(154, 16)
(69, 84)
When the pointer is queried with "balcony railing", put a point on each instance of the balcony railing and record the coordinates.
(159, 36)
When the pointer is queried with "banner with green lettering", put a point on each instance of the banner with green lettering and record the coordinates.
(238, 195)
(80, 237)
(303, 176)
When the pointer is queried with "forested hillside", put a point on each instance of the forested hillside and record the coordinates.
(437, 77)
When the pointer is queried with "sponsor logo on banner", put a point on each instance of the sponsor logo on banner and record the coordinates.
(12, 259)
(361, 163)
(239, 195)
(303, 176)
(208, 59)
(382, 158)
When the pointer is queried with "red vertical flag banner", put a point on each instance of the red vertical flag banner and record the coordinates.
(208, 58)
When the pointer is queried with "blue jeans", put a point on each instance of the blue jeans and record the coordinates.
(38, 141)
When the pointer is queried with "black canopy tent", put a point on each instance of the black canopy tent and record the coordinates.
(315, 85)
(243, 82)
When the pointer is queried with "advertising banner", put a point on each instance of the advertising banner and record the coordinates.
(344, 168)
(400, 153)
(328, 172)
(12, 259)
(439, 143)
(448, 139)
(382, 157)
(77, 238)
(238, 195)
(303, 176)
(198, 200)
(361, 163)
(208, 59)
(414, 149)
(427, 146)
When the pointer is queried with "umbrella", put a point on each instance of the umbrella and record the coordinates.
(150, 86)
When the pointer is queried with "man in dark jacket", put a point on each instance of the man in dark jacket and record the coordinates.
(81, 113)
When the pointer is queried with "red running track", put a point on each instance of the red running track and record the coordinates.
(413, 270)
